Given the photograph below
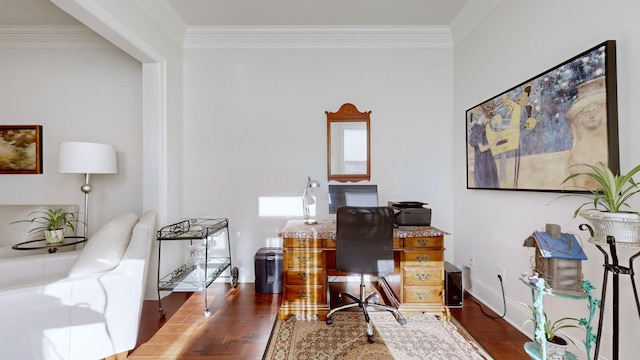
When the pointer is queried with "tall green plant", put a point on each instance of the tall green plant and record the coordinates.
(614, 189)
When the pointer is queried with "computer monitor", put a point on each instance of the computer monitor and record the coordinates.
(352, 195)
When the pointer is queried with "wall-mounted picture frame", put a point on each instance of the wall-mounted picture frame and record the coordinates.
(20, 149)
(532, 136)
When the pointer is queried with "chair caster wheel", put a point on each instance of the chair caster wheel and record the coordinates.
(339, 299)
(207, 313)
(370, 339)
(329, 321)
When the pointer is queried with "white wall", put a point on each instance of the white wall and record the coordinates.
(87, 92)
(515, 42)
(255, 125)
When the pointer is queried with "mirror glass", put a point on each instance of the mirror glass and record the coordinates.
(348, 144)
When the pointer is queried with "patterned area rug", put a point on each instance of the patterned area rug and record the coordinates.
(423, 337)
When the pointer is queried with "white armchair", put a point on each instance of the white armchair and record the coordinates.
(82, 304)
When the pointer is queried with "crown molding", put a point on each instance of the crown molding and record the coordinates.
(49, 36)
(318, 37)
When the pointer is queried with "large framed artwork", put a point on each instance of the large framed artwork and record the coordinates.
(20, 149)
(532, 136)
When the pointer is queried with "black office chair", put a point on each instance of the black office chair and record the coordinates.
(364, 245)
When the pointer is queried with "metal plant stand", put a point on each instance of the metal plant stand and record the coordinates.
(616, 269)
(537, 348)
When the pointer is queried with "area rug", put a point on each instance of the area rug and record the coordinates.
(423, 337)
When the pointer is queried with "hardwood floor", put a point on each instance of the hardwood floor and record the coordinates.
(242, 321)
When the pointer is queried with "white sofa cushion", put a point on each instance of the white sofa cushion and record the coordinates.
(104, 250)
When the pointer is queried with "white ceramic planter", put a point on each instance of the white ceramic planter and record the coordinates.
(556, 351)
(54, 236)
(625, 227)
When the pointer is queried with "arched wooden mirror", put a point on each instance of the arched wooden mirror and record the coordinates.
(348, 155)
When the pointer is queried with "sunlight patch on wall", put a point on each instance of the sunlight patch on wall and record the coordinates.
(282, 206)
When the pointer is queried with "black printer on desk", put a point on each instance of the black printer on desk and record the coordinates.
(411, 213)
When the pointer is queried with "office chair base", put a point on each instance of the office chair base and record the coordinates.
(363, 302)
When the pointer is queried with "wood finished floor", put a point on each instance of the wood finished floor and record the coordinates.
(242, 320)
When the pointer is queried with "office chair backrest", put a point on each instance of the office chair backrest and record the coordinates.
(364, 240)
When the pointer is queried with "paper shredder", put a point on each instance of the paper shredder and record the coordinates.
(268, 270)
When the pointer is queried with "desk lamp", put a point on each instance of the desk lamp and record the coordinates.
(308, 200)
(86, 158)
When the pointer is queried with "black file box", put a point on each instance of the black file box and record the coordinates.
(268, 270)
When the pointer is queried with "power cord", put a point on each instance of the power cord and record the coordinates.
(504, 303)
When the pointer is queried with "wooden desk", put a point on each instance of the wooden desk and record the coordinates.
(309, 257)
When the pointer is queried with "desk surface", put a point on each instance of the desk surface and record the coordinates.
(326, 229)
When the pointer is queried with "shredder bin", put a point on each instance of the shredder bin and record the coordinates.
(268, 270)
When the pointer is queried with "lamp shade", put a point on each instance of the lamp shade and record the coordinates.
(87, 158)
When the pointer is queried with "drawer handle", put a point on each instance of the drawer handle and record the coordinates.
(303, 294)
(303, 259)
(423, 276)
(423, 295)
(303, 242)
(423, 242)
(303, 276)
(422, 259)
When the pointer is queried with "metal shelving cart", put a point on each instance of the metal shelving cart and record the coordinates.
(196, 275)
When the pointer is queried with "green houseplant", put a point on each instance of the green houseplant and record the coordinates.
(52, 222)
(613, 190)
(556, 345)
(607, 209)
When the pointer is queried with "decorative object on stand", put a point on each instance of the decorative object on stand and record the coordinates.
(87, 158)
(52, 222)
(22, 149)
(608, 200)
(558, 260)
(308, 200)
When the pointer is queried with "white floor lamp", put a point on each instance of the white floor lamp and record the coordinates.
(86, 158)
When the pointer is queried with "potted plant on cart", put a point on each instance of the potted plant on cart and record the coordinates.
(52, 222)
(556, 345)
(605, 209)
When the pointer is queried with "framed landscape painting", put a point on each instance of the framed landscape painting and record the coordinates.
(534, 135)
(20, 149)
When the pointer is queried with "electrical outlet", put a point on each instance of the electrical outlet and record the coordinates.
(472, 260)
(501, 272)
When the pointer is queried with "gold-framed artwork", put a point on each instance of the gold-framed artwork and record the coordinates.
(20, 149)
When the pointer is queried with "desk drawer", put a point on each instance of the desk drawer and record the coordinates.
(331, 243)
(304, 259)
(302, 243)
(423, 294)
(306, 276)
(424, 242)
(305, 293)
(423, 258)
(423, 276)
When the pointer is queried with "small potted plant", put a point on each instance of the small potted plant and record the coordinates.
(52, 222)
(607, 203)
(556, 345)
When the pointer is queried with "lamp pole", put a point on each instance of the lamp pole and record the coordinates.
(86, 189)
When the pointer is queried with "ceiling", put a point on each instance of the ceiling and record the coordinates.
(265, 12)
